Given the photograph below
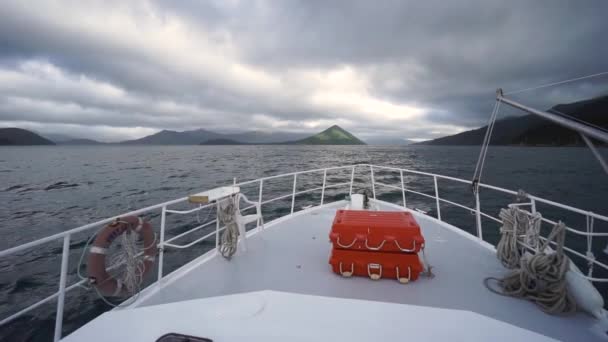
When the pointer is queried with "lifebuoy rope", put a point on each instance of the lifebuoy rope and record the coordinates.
(130, 255)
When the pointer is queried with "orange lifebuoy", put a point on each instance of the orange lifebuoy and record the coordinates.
(96, 266)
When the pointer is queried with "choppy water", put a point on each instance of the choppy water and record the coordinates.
(45, 190)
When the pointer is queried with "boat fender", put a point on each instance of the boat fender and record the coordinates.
(96, 266)
(584, 293)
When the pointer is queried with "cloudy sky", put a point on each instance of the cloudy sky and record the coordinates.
(115, 70)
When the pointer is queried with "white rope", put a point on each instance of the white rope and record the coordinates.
(515, 223)
(131, 256)
(132, 273)
(556, 83)
(227, 210)
(541, 277)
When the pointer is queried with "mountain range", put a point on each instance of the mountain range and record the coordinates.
(531, 130)
(526, 130)
(334, 135)
(206, 137)
(201, 136)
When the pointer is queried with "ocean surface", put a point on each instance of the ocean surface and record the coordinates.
(45, 190)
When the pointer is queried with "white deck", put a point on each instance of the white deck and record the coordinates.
(291, 255)
(279, 316)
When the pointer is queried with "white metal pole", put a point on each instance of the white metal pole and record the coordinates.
(402, 188)
(293, 193)
(371, 168)
(478, 215)
(62, 281)
(161, 252)
(533, 211)
(352, 179)
(260, 200)
(217, 225)
(437, 198)
(595, 152)
(323, 188)
(587, 130)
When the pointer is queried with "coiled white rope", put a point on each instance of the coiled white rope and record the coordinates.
(227, 210)
(129, 254)
(131, 275)
(541, 277)
(516, 223)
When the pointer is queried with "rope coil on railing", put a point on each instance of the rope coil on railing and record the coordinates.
(227, 210)
(515, 223)
(539, 277)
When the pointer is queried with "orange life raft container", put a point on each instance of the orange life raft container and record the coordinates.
(383, 231)
(404, 267)
(376, 244)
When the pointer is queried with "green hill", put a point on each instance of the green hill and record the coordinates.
(334, 135)
(18, 136)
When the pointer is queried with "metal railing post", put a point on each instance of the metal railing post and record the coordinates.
(402, 188)
(62, 281)
(293, 193)
(533, 206)
(217, 225)
(161, 251)
(323, 188)
(352, 179)
(437, 198)
(371, 168)
(259, 202)
(478, 216)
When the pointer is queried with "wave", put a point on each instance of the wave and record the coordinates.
(136, 168)
(140, 192)
(182, 175)
(24, 214)
(61, 185)
(24, 283)
(15, 187)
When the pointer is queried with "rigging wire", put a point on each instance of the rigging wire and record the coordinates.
(486, 141)
(484, 148)
(556, 83)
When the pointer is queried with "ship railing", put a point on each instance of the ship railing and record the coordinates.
(590, 217)
(166, 209)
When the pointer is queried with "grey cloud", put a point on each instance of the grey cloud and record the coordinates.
(465, 49)
(448, 57)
